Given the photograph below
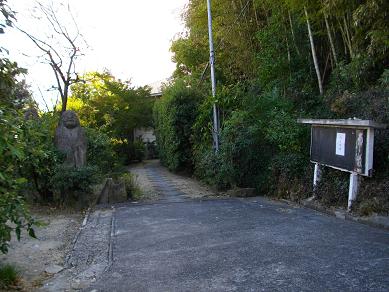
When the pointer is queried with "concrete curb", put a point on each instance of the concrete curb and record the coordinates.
(373, 221)
(111, 236)
(84, 222)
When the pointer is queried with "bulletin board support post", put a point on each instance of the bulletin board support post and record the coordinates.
(353, 189)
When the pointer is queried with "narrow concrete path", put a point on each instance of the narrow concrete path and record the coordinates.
(164, 187)
(180, 244)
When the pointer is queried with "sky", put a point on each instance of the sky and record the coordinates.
(129, 38)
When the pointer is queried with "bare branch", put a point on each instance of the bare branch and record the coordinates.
(55, 54)
(58, 81)
(44, 100)
(41, 45)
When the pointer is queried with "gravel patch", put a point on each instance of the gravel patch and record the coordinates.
(39, 259)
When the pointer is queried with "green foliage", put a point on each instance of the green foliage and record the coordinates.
(71, 183)
(372, 27)
(235, 43)
(132, 188)
(7, 16)
(280, 65)
(174, 116)
(13, 94)
(14, 216)
(9, 276)
(13, 213)
(355, 76)
(41, 157)
(266, 80)
(112, 107)
(384, 79)
(210, 168)
(100, 151)
(252, 139)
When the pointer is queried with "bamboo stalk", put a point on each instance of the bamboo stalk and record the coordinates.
(314, 56)
(348, 34)
(344, 39)
(293, 35)
(331, 40)
(325, 68)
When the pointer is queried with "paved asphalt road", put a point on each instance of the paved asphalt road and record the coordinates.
(179, 244)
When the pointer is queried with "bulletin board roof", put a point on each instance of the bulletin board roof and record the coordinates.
(343, 122)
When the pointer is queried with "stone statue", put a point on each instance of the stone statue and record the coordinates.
(71, 140)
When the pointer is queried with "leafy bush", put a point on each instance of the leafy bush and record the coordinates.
(41, 156)
(74, 184)
(174, 116)
(354, 76)
(260, 139)
(209, 168)
(290, 177)
(100, 151)
(244, 152)
(13, 213)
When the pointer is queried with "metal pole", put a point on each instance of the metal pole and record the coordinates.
(213, 80)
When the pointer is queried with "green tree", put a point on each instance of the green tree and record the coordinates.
(112, 106)
(14, 215)
(174, 115)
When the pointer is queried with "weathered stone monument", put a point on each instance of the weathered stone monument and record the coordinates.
(71, 140)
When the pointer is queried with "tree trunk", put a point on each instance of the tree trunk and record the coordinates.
(330, 39)
(65, 97)
(314, 56)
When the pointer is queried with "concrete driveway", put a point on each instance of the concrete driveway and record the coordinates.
(181, 244)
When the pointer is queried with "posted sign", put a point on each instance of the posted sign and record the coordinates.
(340, 143)
(346, 145)
(339, 147)
(343, 144)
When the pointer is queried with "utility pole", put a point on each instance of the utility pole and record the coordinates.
(216, 125)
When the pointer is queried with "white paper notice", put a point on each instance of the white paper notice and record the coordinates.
(340, 143)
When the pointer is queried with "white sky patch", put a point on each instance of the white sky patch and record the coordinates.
(129, 38)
